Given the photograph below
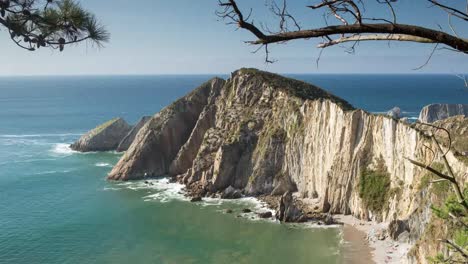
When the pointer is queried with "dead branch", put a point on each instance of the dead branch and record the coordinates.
(376, 37)
(390, 30)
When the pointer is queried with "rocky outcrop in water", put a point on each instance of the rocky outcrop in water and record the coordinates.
(263, 134)
(128, 139)
(105, 137)
(434, 112)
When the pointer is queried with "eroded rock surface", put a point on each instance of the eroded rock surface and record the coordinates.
(158, 142)
(130, 137)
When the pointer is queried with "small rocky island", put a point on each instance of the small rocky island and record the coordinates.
(115, 134)
(301, 149)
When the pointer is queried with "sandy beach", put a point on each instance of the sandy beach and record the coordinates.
(363, 246)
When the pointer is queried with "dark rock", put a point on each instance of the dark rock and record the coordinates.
(315, 195)
(288, 211)
(329, 220)
(396, 227)
(228, 211)
(196, 199)
(265, 215)
(231, 193)
(326, 207)
(246, 210)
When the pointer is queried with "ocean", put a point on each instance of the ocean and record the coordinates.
(57, 207)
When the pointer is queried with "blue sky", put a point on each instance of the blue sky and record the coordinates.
(186, 37)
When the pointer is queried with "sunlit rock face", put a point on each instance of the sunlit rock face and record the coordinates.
(130, 137)
(160, 139)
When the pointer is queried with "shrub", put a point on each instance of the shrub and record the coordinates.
(374, 187)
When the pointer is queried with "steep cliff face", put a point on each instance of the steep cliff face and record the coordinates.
(266, 134)
(434, 112)
(158, 142)
(105, 137)
(130, 137)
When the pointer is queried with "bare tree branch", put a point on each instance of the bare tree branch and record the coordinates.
(356, 31)
(376, 37)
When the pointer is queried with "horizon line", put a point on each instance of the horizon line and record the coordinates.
(215, 74)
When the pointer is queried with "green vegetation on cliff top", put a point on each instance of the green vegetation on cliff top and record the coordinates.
(101, 127)
(296, 88)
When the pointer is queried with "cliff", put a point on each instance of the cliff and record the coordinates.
(104, 137)
(265, 134)
(158, 142)
(434, 112)
(128, 139)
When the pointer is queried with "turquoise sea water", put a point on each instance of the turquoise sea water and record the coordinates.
(57, 207)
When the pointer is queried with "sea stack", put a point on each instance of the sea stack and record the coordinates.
(105, 137)
(434, 112)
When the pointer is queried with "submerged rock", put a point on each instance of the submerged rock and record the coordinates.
(128, 139)
(105, 137)
(265, 215)
(196, 199)
(434, 112)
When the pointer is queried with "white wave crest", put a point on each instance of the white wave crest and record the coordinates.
(166, 191)
(160, 190)
(53, 172)
(62, 149)
(103, 164)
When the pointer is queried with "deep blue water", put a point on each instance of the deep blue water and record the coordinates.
(57, 207)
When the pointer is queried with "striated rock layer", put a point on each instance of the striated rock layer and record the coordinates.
(265, 134)
(434, 112)
(105, 137)
(158, 142)
(130, 137)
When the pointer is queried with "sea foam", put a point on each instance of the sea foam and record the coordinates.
(62, 149)
(103, 164)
